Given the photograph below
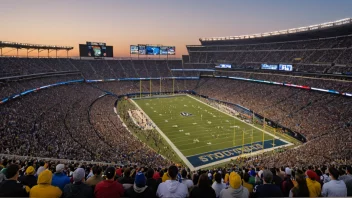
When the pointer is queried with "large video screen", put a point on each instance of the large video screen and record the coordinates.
(167, 50)
(223, 66)
(96, 51)
(152, 50)
(141, 49)
(283, 67)
(171, 50)
(164, 50)
(134, 49)
(271, 67)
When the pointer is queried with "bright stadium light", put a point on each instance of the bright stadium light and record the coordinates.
(288, 31)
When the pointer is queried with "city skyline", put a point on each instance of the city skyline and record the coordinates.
(175, 23)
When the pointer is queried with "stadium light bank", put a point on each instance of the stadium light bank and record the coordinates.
(281, 32)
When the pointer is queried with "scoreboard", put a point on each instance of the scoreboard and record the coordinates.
(142, 49)
(95, 49)
(280, 67)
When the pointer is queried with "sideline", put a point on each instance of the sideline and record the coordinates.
(178, 152)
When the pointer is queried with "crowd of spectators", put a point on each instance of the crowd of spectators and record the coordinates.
(37, 178)
(315, 56)
(55, 124)
(90, 69)
(70, 122)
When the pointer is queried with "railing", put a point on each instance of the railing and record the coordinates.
(19, 157)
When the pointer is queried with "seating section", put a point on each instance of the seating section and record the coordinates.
(314, 56)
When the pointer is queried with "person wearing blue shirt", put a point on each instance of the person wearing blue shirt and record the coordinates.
(59, 178)
(335, 187)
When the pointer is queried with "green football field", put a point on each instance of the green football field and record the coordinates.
(196, 128)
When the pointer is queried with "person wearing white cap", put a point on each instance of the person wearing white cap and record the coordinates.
(78, 189)
(59, 178)
(287, 184)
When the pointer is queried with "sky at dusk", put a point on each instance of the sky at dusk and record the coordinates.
(121, 23)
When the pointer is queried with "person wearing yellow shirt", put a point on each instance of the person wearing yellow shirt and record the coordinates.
(44, 188)
(314, 186)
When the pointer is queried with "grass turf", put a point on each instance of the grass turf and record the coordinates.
(205, 130)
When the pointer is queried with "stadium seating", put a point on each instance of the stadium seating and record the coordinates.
(315, 56)
(62, 110)
(77, 122)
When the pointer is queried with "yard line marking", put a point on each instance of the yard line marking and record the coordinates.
(276, 137)
(178, 152)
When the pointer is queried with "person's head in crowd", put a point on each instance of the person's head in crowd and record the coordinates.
(12, 172)
(334, 173)
(273, 170)
(246, 177)
(184, 173)
(235, 180)
(161, 172)
(30, 170)
(150, 173)
(323, 170)
(60, 168)
(140, 180)
(218, 178)
(318, 172)
(79, 175)
(311, 174)
(267, 177)
(349, 170)
(110, 173)
(341, 171)
(97, 170)
(127, 172)
(45, 177)
(40, 170)
(288, 171)
(203, 181)
(282, 169)
(172, 172)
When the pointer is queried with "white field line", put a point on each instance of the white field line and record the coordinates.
(276, 137)
(178, 152)
(126, 127)
(217, 143)
(183, 139)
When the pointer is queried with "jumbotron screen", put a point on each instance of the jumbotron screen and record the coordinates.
(167, 50)
(283, 67)
(271, 67)
(134, 49)
(152, 50)
(143, 49)
(95, 49)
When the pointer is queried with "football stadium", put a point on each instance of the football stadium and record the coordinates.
(93, 107)
(203, 134)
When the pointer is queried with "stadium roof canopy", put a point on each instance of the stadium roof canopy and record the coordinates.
(330, 29)
(31, 47)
